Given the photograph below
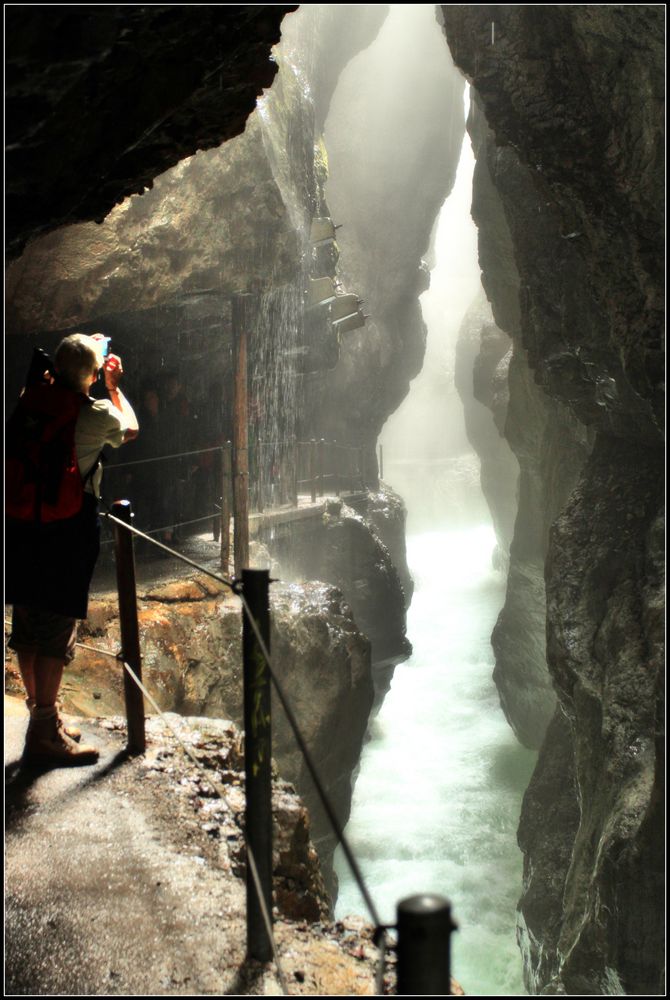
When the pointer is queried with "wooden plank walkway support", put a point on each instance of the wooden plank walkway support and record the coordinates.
(258, 759)
(240, 320)
(424, 938)
(130, 632)
(226, 503)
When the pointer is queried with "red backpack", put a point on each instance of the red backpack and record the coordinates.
(42, 478)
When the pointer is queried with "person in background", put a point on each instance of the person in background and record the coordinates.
(49, 565)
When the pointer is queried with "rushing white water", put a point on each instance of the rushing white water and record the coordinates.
(437, 798)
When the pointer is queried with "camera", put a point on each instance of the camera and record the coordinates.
(105, 346)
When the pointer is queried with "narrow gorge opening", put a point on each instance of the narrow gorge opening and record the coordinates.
(438, 790)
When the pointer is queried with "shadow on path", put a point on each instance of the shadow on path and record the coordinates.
(21, 781)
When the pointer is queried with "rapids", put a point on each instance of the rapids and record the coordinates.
(438, 794)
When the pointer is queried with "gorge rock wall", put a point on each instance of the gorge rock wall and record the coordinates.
(481, 371)
(574, 101)
(548, 441)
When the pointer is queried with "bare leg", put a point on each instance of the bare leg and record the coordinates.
(48, 673)
(27, 668)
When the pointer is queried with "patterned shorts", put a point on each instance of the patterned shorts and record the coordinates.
(42, 632)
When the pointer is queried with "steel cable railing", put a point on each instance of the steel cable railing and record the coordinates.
(235, 587)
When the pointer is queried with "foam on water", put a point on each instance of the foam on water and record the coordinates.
(437, 798)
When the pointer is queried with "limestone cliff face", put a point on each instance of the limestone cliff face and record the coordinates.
(574, 96)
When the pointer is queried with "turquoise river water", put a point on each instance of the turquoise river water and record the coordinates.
(437, 798)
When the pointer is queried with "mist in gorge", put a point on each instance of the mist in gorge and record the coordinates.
(425, 450)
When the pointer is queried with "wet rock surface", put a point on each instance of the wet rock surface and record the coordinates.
(481, 376)
(573, 98)
(358, 547)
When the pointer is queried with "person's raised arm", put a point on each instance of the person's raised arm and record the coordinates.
(113, 370)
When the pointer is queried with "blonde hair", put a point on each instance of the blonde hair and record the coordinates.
(78, 357)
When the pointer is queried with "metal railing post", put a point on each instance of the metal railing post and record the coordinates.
(381, 462)
(130, 632)
(424, 938)
(257, 759)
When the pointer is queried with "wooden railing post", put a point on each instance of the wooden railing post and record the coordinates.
(130, 631)
(257, 759)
